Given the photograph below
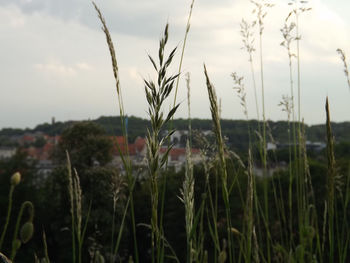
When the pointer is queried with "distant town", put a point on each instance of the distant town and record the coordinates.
(39, 145)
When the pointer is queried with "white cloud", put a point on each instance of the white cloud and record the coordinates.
(12, 17)
(135, 75)
(84, 66)
(56, 68)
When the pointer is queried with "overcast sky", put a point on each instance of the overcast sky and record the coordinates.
(54, 61)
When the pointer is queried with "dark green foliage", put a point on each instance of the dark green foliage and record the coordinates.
(234, 130)
(25, 190)
(90, 151)
(136, 126)
(87, 145)
(39, 142)
(53, 128)
(12, 132)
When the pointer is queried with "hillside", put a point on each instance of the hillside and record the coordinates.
(236, 131)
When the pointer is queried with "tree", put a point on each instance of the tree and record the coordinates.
(87, 145)
(102, 186)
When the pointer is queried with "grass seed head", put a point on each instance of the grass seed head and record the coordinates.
(235, 231)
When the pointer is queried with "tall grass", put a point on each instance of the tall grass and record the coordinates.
(298, 238)
(330, 185)
(187, 191)
(346, 70)
(188, 25)
(78, 226)
(222, 159)
(261, 10)
(156, 93)
(278, 219)
(125, 157)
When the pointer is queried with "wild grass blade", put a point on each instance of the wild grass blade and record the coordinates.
(183, 49)
(331, 173)
(9, 208)
(221, 154)
(45, 248)
(156, 94)
(124, 156)
(72, 210)
(346, 70)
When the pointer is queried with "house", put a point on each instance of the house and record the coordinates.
(178, 138)
(45, 167)
(271, 146)
(177, 157)
(42, 153)
(258, 170)
(315, 146)
(7, 152)
(27, 139)
(136, 151)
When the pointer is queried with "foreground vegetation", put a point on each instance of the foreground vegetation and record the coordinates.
(219, 211)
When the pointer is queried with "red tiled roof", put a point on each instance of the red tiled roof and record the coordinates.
(46, 151)
(175, 153)
(132, 149)
(33, 152)
(53, 139)
(28, 138)
(120, 140)
(140, 143)
(40, 153)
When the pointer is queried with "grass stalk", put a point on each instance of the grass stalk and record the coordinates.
(188, 25)
(124, 156)
(9, 208)
(213, 228)
(71, 199)
(25, 205)
(346, 70)
(345, 227)
(221, 154)
(248, 42)
(287, 41)
(46, 254)
(115, 251)
(75, 198)
(187, 194)
(261, 12)
(300, 174)
(207, 207)
(156, 94)
(187, 191)
(331, 173)
(298, 8)
(249, 208)
(287, 105)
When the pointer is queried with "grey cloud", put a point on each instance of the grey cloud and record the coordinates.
(134, 17)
